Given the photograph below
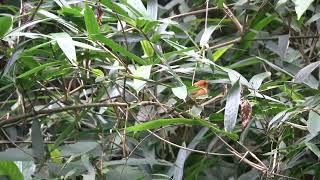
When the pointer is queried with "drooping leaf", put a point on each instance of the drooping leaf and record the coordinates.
(305, 72)
(137, 7)
(217, 54)
(116, 47)
(90, 169)
(301, 6)
(5, 24)
(66, 44)
(139, 161)
(152, 9)
(283, 44)
(314, 148)
(313, 123)
(124, 172)
(37, 141)
(206, 35)
(115, 7)
(15, 154)
(232, 107)
(147, 48)
(257, 79)
(37, 69)
(58, 19)
(179, 165)
(90, 21)
(78, 148)
(10, 169)
(180, 92)
(143, 72)
(14, 57)
(154, 124)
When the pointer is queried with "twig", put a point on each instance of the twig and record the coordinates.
(234, 41)
(29, 142)
(15, 119)
(234, 19)
(191, 13)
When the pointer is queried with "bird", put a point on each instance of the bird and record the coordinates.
(203, 85)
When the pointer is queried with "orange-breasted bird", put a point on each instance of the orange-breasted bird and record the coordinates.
(203, 85)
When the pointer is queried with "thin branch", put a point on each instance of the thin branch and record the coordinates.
(234, 19)
(15, 119)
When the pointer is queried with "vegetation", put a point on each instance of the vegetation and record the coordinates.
(141, 89)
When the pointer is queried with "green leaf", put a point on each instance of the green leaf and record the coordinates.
(180, 92)
(301, 6)
(37, 141)
(257, 79)
(90, 21)
(143, 72)
(98, 72)
(116, 47)
(58, 19)
(152, 9)
(147, 48)
(232, 107)
(313, 123)
(5, 24)
(305, 72)
(216, 55)
(66, 44)
(314, 148)
(244, 63)
(37, 69)
(78, 148)
(206, 35)
(283, 44)
(154, 124)
(115, 7)
(14, 57)
(15, 154)
(137, 7)
(10, 169)
(220, 3)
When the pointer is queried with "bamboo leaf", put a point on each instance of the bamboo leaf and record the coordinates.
(5, 24)
(232, 107)
(90, 21)
(116, 47)
(154, 124)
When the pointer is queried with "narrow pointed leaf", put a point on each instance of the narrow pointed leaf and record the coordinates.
(90, 21)
(257, 79)
(5, 24)
(118, 48)
(37, 141)
(283, 44)
(66, 44)
(232, 107)
(180, 92)
(143, 72)
(37, 69)
(154, 124)
(301, 6)
(305, 72)
(206, 35)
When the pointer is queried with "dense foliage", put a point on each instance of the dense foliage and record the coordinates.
(147, 89)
